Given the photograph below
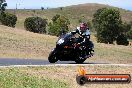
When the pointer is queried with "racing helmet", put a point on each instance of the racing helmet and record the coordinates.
(83, 27)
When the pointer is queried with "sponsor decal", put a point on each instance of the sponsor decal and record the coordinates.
(83, 78)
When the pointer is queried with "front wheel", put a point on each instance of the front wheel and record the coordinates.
(52, 57)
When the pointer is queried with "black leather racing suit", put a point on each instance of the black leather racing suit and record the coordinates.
(84, 38)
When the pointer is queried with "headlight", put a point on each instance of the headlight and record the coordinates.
(60, 41)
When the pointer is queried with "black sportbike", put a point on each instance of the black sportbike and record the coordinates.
(67, 49)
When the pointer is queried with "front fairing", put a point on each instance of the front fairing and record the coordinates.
(60, 41)
(64, 39)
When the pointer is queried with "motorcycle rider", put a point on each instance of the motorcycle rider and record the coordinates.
(84, 35)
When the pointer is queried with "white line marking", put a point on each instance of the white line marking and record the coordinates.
(128, 65)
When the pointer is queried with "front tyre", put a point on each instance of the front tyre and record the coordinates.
(52, 57)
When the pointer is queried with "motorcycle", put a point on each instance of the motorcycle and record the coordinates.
(67, 49)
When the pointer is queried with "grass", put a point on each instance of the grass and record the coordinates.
(17, 43)
(23, 44)
(15, 78)
(73, 13)
(57, 77)
(112, 53)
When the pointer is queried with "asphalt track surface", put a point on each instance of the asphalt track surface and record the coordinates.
(13, 61)
(35, 62)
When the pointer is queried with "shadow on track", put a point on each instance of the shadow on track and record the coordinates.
(72, 62)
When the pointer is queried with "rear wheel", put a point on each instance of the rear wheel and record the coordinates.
(79, 60)
(52, 57)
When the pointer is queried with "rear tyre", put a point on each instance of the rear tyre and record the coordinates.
(80, 60)
(52, 57)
